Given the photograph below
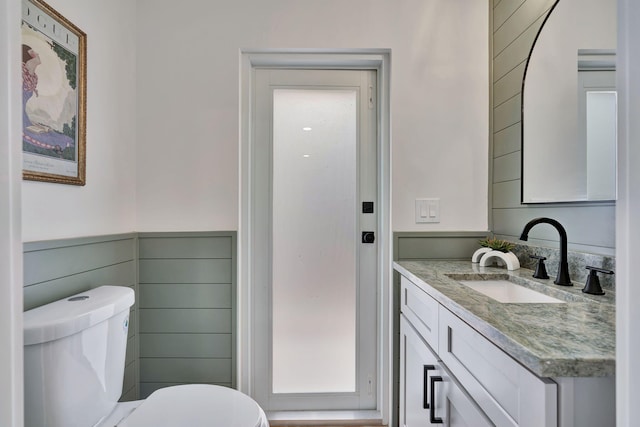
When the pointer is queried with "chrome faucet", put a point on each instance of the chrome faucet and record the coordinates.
(563, 268)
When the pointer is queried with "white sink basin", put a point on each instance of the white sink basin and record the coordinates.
(505, 291)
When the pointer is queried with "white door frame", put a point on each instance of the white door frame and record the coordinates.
(369, 59)
(11, 377)
(627, 216)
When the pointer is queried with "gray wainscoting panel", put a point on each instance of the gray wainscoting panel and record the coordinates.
(507, 140)
(170, 270)
(591, 227)
(436, 245)
(507, 114)
(185, 320)
(506, 168)
(515, 53)
(519, 20)
(508, 86)
(187, 309)
(186, 295)
(503, 10)
(37, 294)
(186, 345)
(192, 247)
(74, 256)
(59, 268)
(185, 370)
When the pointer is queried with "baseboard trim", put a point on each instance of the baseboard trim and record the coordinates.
(324, 418)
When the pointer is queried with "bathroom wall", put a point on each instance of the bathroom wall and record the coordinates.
(590, 227)
(175, 163)
(188, 60)
(106, 204)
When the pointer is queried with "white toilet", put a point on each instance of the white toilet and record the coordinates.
(74, 355)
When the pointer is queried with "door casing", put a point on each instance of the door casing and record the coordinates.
(363, 59)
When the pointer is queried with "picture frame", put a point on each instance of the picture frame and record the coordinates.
(54, 84)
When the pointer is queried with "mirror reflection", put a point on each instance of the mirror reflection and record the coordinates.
(569, 103)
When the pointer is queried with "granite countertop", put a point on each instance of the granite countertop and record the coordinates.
(572, 339)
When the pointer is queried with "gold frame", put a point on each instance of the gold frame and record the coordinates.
(54, 17)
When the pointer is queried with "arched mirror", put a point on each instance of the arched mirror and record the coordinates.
(569, 106)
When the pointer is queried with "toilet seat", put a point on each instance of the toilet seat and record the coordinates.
(196, 405)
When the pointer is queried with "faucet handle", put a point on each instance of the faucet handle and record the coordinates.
(541, 270)
(593, 281)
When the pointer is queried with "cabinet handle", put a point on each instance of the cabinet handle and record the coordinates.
(425, 382)
(432, 409)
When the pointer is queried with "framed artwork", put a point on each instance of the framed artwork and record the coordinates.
(54, 82)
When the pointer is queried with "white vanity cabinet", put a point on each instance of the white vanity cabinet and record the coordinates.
(429, 394)
(470, 381)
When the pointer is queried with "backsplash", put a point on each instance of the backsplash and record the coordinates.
(577, 262)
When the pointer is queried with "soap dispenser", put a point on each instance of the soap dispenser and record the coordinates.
(593, 281)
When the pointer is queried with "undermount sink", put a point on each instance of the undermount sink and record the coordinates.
(507, 292)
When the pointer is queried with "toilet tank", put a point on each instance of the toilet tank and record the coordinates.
(74, 355)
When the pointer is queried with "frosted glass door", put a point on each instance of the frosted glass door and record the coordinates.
(314, 280)
(314, 240)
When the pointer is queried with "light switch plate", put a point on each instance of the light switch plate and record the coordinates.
(427, 210)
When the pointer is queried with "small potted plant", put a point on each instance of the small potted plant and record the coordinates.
(496, 248)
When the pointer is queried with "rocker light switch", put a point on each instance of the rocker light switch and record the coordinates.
(427, 210)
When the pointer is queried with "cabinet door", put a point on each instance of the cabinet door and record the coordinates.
(429, 395)
(454, 407)
(417, 364)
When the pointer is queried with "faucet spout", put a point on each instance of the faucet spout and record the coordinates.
(562, 277)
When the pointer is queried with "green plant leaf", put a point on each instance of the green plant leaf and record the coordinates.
(496, 244)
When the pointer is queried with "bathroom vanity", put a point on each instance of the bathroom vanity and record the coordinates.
(543, 358)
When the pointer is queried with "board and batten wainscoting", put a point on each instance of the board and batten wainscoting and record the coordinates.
(443, 245)
(57, 269)
(187, 309)
(590, 226)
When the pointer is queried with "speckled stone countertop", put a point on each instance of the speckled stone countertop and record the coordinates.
(572, 339)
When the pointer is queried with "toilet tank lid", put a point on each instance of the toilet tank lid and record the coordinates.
(75, 313)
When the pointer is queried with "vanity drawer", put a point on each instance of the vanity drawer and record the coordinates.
(506, 391)
(421, 310)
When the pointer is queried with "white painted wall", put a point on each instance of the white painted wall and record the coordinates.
(11, 391)
(628, 217)
(106, 204)
(188, 102)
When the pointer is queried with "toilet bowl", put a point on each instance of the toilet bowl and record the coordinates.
(74, 354)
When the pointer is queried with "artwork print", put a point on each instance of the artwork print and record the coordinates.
(53, 96)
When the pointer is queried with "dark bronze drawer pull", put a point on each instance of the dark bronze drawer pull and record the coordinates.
(425, 381)
(432, 409)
